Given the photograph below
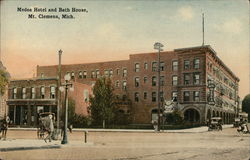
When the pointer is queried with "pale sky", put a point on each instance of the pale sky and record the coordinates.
(112, 30)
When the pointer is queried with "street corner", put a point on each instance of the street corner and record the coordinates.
(26, 144)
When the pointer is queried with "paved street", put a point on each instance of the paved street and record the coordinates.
(225, 145)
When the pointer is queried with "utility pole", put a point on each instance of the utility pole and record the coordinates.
(158, 47)
(58, 91)
(202, 29)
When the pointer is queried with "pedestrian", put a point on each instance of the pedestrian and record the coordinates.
(4, 126)
(50, 129)
(70, 128)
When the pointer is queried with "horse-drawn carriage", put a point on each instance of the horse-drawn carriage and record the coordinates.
(45, 124)
(215, 124)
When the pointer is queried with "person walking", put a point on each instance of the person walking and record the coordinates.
(50, 130)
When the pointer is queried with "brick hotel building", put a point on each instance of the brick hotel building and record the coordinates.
(202, 84)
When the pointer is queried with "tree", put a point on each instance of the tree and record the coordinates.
(246, 105)
(3, 81)
(102, 104)
(175, 118)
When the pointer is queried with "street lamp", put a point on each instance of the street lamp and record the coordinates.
(59, 93)
(158, 46)
(66, 85)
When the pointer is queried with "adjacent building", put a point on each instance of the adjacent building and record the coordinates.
(196, 77)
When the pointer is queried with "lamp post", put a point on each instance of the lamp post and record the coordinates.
(67, 85)
(59, 93)
(158, 46)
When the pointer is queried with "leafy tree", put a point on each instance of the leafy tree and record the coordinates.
(246, 105)
(3, 81)
(174, 118)
(102, 104)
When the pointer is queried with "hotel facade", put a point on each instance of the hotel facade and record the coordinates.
(196, 77)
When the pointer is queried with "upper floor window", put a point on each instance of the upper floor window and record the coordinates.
(14, 93)
(174, 80)
(118, 71)
(153, 81)
(186, 95)
(92, 74)
(117, 83)
(110, 72)
(153, 96)
(33, 93)
(137, 67)
(137, 81)
(124, 85)
(186, 64)
(175, 65)
(145, 95)
(196, 78)
(106, 73)
(145, 79)
(125, 72)
(196, 63)
(52, 92)
(42, 92)
(80, 75)
(84, 74)
(136, 97)
(145, 66)
(154, 67)
(162, 66)
(23, 93)
(72, 75)
(162, 96)
(162, 80)
(174, 96)
(186, 79)
(196, 95)
(97, 73)
(42, 75)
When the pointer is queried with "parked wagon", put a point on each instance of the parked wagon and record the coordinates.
(215, 124)
(44, 123)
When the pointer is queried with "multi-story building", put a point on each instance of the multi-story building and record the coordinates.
(202, 84)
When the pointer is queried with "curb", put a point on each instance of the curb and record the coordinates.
(29, 148)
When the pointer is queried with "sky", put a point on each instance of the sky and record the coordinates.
(112, 30)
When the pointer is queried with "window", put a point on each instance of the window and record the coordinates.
(52, 92)
(162, 96)
(80, 75)
(145, 95)
(196, 95)
(137, 67)
(72, 75)
(145, 66)
(124, 85)
(33, 93)
(125, 72)
(196, 63)
(174, 80)
(14, 93)
(153, 96)
(153, 81)
(162, 65)
(117, 83)
(23, 93)
(92, 74)
(86, 95)
(118, 71)
(137, 81)
(106, 73)
(42, 75)
(154, 66)
(186, 79)
(196, 78)
(174, 96)
(97, 73)
(186, 96)
(42, 92)
(145, 79)
(186, 64)
(136, 97)
(110, 72)
(84, 74)
(162, 80)
(175, 65)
